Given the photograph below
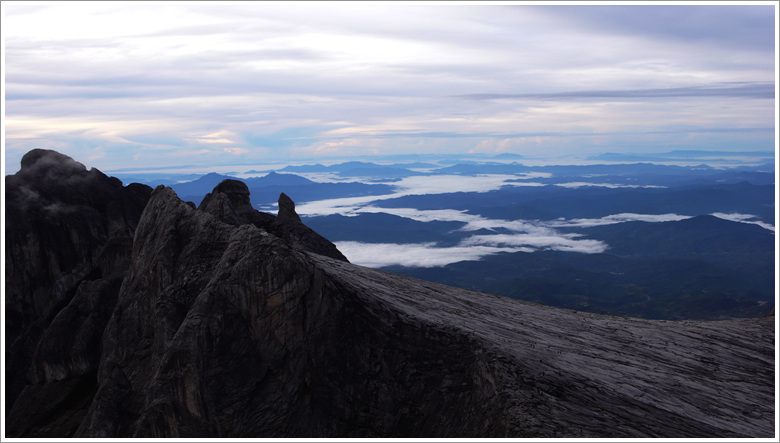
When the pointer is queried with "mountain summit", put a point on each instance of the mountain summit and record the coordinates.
(221, 321)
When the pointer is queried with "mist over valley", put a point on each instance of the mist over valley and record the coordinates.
(664, 241)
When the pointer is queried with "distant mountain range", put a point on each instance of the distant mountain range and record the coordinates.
(722, 156)
(730, 262)
(266, 189)
(552, 202)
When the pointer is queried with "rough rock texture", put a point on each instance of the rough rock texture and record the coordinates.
(229, 202)
(562, 373)
(224, 330)
(68, 232)
(287, 210)
(70, 238)
(225, 327)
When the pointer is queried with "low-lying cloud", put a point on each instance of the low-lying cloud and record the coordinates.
(442, 184)
(603, 185)
(743, 218)
(650, 218)
(416, 255)
(567, 243)
(414, 185)
(428, 255)
(510, 235)
(524, 236)
(613, 219)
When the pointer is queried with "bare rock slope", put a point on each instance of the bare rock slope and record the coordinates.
(233, 323)
(311, 346)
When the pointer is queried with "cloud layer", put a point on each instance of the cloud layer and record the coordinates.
(414, 185)
(507, 236)
(414, 255)
(525, 236)
(133, 84)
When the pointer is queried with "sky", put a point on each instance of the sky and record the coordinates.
(152, 84)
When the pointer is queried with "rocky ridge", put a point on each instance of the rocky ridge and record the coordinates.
(68, 234)
(222, 321)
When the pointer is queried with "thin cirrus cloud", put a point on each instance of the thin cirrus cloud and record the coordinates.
(761, 90)
(146, 84)
(745, 28)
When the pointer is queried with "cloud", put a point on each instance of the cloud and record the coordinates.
(472, 222)
(441, 184)
(525, 237)
(743, 218)
(494, 146)
(604, 185)
(522, 236)
(475, 247)
(414, 185)
(422, 255)
(216, 138)
(613, 219)
(765, 90)
(236, 151)
(731, 26)
(567, 243)
(383, 78)
(422, 215)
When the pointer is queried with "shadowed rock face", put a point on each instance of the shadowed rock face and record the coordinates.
(68, 235)
(229, 202)
(287, 210)
(227, 325)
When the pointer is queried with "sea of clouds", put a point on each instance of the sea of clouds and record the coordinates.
(522, 235)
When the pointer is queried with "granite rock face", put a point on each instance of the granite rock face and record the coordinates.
(68, 231)
(229, 202)
(70, 240)
(227, 323)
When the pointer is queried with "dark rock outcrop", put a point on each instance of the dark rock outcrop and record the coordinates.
(226, 326)
(68, 236)
(229, 202)
(287, 212)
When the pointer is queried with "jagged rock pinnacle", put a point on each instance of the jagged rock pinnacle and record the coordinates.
(287, 210)
(230, 203)
(237, 193)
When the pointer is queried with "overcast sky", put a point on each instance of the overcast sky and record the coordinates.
(126, 85)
